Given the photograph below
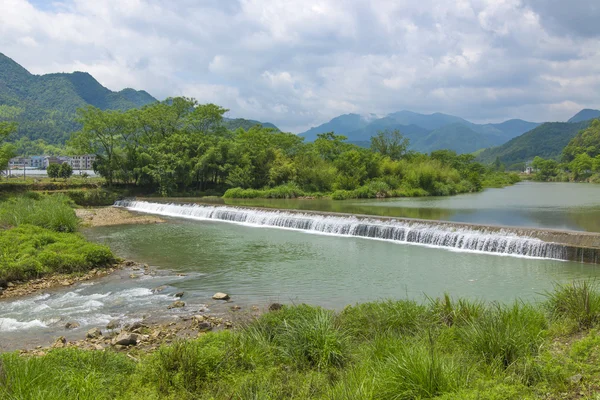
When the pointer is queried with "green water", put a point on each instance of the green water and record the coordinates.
(570, 206)
(261, 265)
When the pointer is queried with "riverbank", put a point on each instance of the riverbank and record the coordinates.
(110, 216)
(444, 348)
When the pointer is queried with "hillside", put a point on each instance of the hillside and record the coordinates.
(233, 124)
(547, 141)
(45, 105)
(585, 115)
(425, 132)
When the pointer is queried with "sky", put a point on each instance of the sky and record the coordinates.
(299, 63)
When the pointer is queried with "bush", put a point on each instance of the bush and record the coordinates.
(53, 171)
(93, 197)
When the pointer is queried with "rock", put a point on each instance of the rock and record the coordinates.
(177, 304)
(228, 324)
(125, 339)
(129, 263)
(199, 318)
(204, 327)
(220, 296)
(98, 347)
(60, 342)
(179, 294)
(235, 308)
(114, 324)
(94, 333)
(72, 325)
(158, 289)
(576, 378)
(133, 276)
(275, 307)
(10, 284)
(137, 325)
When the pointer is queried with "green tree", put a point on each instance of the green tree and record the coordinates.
(390, 143)
(7, 151)
(53, 171)
(65, 171)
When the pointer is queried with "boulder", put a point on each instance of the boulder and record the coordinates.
(275, 307)
(158, 289)
(125, 339)
(177, 304)
(72, 325)
(94, 333)
(179, 294)
(60, 342)
(220, 296)
(204, 327)
(114, 324)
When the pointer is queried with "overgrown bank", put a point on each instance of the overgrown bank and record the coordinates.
(38, 238)
(444, 348)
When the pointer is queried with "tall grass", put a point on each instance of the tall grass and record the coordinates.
(445, 348)
(578, 302)
(50, 212)
(504, 334)
(28, 252)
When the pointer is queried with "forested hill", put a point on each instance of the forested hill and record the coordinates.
(45, 105)
(547, 140)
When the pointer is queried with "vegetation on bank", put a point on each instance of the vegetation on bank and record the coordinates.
(580, 159)
(179, 146)
(38, 237)
(445, 349)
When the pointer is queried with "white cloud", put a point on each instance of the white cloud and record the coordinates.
(298, 63)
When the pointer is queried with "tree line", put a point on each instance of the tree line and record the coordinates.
(580, 159)
(180, 146)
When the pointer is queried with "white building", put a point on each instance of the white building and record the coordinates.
(85, 161)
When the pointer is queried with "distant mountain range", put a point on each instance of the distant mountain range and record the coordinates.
(45, 105)
(425, 132)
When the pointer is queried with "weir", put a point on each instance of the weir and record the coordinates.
(540, 243)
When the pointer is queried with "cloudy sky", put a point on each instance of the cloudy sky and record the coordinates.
(298, 63)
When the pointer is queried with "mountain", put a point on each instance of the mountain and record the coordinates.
(547, 141)
(233, 124)
(45, 105)
(341, 125)
(458, 137)
(585, 115)
(426, 132)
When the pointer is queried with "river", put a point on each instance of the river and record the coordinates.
(259, 265)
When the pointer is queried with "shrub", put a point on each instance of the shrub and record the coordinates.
(93, 197)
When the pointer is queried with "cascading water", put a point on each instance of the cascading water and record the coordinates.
(419, 233)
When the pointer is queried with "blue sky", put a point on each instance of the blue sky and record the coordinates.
(299, 63)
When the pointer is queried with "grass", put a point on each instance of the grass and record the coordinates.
(38, 238)
(50, 212)
(29, 252)
(443, 348)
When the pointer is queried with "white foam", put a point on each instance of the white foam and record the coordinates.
(11, 324)
(499, 242)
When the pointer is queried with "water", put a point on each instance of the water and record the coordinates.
(568, 206)
(433, 234)
(259, 264)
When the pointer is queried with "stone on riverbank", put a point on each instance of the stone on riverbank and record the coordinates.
(114, 324)
(125, 339)
(177, 304)
(72, 325)
(94, 333)
(220, 296)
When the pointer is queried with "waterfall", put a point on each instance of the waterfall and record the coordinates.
(499, 241)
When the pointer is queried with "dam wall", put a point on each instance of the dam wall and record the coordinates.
(527, 242)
